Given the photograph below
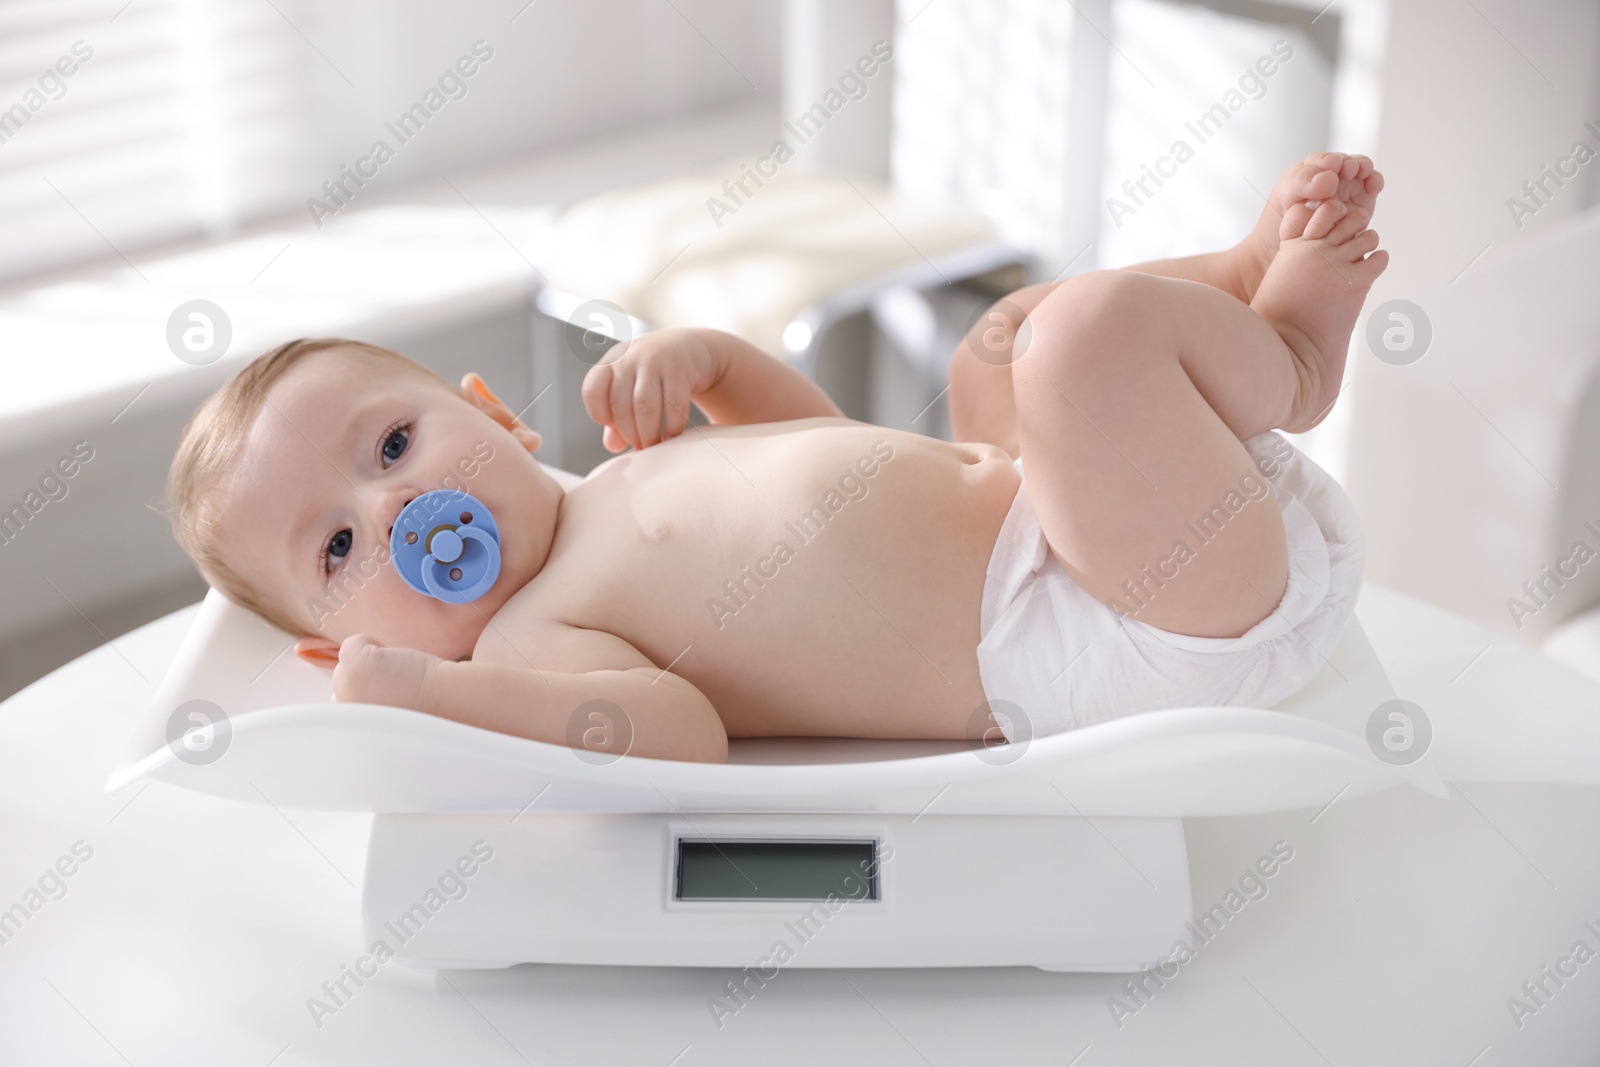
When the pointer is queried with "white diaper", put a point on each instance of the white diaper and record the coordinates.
(1066, 660)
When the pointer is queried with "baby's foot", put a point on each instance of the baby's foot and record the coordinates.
(1312, 293)
(1320, 176)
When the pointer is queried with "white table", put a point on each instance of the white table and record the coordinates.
(198, 929)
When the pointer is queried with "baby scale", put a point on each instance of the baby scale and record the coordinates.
(1066, 853)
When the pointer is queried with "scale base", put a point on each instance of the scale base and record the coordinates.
(1059, 893)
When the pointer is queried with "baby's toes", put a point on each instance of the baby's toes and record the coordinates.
(1316, 183)
(1354, 221)
(1363, 189)
(1294, 220)
(1324, 218)
(1367, 270)
(1326, 160)
(1359, 245)
(1303, 181)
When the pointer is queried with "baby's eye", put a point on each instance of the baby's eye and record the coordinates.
(394, 444)
(337, 548)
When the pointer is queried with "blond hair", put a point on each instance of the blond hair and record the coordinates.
(208, 451)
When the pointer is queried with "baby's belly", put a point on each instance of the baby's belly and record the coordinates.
(822, 581)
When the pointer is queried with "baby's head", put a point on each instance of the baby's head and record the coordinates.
(288, 479)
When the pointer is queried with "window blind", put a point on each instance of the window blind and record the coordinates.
(127, 124)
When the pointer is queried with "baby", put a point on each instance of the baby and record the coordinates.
(789, 571)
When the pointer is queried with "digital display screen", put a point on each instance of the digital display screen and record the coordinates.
(776, 870)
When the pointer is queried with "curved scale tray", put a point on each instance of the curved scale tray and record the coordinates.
(292, 746)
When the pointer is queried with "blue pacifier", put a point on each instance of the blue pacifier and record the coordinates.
(445, 545)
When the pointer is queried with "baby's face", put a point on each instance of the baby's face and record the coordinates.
(344, 441)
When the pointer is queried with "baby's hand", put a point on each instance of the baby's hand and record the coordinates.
(640, 391)
(370, 673)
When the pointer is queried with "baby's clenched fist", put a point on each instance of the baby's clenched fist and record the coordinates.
(370, 673)
(640, 392)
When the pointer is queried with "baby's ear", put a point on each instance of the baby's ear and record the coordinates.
(476, 393)
(318, 651)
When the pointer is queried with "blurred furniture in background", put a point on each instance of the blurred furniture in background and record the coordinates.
(793, 269)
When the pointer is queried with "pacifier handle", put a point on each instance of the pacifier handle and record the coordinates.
(430, 573)
(445, 544)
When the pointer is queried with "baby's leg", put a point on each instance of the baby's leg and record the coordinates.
(981, 408)
(980, 401)
(1132, 399)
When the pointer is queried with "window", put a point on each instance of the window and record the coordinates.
(1036, 112)
(1195, 136)
(178, 118)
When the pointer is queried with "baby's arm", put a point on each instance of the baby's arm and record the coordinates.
(753, 386)
(641, 394)
(653, 713)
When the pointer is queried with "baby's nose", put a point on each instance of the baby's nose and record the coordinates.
(406, 503)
